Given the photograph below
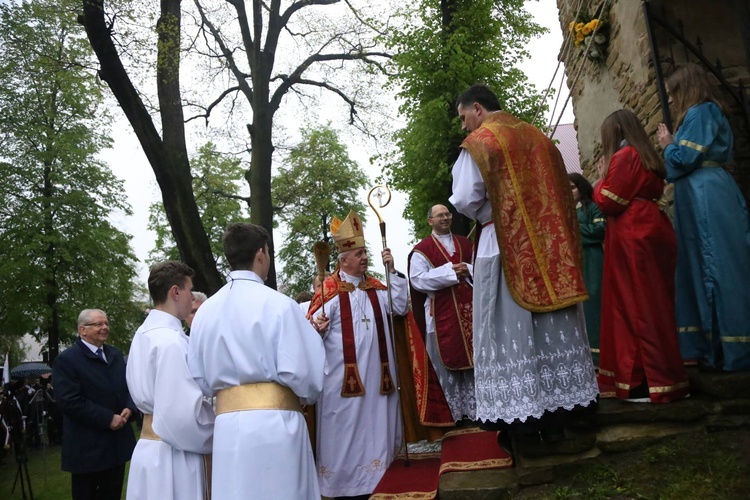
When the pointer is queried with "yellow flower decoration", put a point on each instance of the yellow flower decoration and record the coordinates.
(579, 37)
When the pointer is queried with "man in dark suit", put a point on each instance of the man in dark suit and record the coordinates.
(93, 396)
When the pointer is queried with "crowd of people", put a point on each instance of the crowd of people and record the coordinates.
(558, 271)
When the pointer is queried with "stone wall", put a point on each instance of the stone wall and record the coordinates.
(627, 78)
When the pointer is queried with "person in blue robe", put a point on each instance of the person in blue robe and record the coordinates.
(712, 227)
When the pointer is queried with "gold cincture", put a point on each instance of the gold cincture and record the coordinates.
(260, 396)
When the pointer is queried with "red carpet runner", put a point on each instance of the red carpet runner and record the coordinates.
(462, 450)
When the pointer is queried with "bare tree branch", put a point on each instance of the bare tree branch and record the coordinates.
(228, 55)
(296, 76)
(216, 102)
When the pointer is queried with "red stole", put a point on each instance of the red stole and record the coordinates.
(452, 307)
(352, 385)
(533, 211)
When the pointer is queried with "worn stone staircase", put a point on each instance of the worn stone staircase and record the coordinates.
(719, 401)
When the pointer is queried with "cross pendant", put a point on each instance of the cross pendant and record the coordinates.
(366, 321)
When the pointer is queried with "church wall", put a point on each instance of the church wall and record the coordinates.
(627, 79)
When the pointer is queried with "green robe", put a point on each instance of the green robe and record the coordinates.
(593, 224)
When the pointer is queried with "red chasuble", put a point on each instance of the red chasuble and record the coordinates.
(638, 331)
(451, 307)
(533, 212)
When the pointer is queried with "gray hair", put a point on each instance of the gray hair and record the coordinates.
(199, 297)
(429, 213)
(85, 315)
(344, 254)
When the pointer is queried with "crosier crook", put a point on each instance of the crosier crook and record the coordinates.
(380, 191)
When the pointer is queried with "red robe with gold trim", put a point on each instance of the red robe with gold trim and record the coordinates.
(638, 333)
(450, 307)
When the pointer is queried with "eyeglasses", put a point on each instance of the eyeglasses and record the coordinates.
(97, 325)
(447, 215)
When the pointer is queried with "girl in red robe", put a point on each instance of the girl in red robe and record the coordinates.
(640, 354)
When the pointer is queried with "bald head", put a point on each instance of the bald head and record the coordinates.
(439, 218)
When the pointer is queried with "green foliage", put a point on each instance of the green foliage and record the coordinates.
(59, 253)
(217, 193)
(438, 55)
(317, 182)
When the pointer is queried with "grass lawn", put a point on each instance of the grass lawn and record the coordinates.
(48, 482)
(713, 466)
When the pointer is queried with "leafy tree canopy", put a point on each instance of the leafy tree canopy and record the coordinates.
(442, 48)
(317, 182)
(59, 252)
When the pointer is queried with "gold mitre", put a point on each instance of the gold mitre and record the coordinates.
(349, 234)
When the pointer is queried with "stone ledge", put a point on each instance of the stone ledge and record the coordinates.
(724, 385)
(613, 411)
(479, 485)
(629, 437)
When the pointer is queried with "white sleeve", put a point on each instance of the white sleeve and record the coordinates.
(399, 295)
(469, 193)
(182, 418)
(301, 358)
(426, 278)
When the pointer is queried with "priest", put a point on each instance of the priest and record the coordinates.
(531, 354)
(358, 415)
(440, 277)
(168, 461)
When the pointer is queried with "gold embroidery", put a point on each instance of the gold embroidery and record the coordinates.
(689, 329)
(599, 219)
(693, 145)
(612, 196)
(620, 385)
(606, 373)
(479, 464)
(540, 256)
(668, 388)
(406, 495)
(735, 339)
(709, 163)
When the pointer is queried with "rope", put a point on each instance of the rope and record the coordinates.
(580, 65)
(565, 48)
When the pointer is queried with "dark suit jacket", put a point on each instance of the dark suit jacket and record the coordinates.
(89, 393)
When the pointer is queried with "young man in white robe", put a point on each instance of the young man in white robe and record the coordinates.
(358, 417)
(168, 461)
(253, 349)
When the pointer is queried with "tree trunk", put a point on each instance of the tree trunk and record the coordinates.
(168, 157)
(259, 179)
(52, 321)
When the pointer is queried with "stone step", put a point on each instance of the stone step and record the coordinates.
(719, 401)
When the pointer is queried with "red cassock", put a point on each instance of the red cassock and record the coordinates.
(638, 330)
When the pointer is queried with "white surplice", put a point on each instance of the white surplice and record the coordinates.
(457, 385)
(524, 363)
(248, 333)
(160, 384)
(358, 437)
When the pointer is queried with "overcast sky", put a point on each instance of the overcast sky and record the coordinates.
(129, 163)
